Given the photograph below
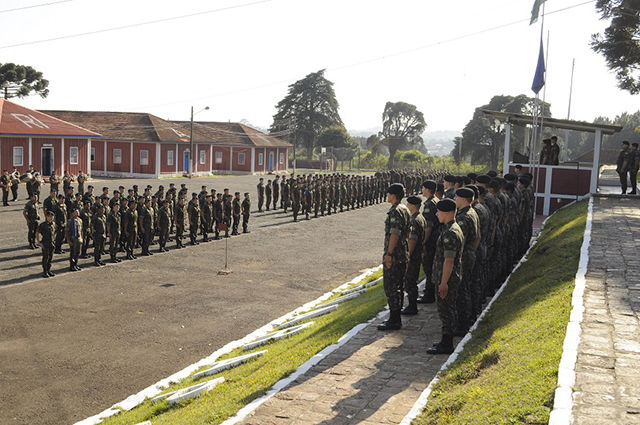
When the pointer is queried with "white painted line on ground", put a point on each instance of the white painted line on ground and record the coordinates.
(310, 315)
(343, 298)
(228, 364)
(155, 389)
(276, 336)
(563, 401)
(194, 392)
(424, 397)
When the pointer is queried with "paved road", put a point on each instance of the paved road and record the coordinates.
(607, 389)
(75, 344)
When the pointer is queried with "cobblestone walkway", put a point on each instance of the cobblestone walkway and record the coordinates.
(375, 378)
(607, 389)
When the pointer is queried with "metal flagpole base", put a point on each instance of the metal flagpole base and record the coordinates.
(226, 270)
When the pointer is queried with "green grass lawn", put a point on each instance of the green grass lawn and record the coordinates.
(253, 379)
(507, 373)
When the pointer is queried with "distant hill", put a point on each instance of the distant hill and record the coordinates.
(438, 143)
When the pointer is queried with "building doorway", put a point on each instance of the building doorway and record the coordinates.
(185, 161)
(271, 159)
(46, 166)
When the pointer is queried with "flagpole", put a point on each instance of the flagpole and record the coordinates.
(541, 113)
(566, 132)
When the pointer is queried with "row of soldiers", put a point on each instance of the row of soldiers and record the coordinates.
(467, 236)
(318, 194)
(129, 221)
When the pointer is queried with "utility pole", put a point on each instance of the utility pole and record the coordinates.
(191, 141)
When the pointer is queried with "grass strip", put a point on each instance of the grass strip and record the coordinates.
(253, 379)
(507, 373)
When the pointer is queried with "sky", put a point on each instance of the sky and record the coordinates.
(239, 57)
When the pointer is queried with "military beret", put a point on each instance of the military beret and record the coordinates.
(430, 184)
(465, 192)
(116, 191)
(474, 188)
(460, 179)
(135, 186)
(105, 188)
(396, 189)
(161, 187)
(510, 186)
(466, 180)
(100, 206)
(120, 187)
(50, 213)
(194, 195)
(414, 200)
(74, 209)
(529, 176)
(510, 177)
(204, 186)
(61, 196)
(524, 181)
(171, 184)
(165, 202)
(87, 202)
(237, 193)
(226, 188)
(440, 187)
(547, 141)
(154, 197)
(89, 187)
(130, 190)
(246, 193)
(123, 199)
(472, 176)
(450, 178)
(446, 205)
(481, 190)
(492, 173)
(483, 178)
(495, 184)
(208, 195)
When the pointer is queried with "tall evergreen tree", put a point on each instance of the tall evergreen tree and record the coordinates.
(309, 107)
(21, 80)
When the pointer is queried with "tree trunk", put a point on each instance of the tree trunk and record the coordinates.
(392, 156)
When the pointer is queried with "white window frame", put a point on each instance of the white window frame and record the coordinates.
(218, 157)
(144, 157)
(281, 158)
(18, 155)
(241, 158)
(117, 156)
(73, 155)
(93, 154)
(170, 157)
(203, 156)
(260, 158)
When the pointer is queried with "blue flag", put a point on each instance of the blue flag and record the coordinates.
(538, 78)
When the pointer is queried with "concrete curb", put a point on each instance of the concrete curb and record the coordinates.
(563, 401)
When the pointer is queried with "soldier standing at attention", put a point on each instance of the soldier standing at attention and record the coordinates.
(395, 257)
(146, 226)
(206, 217)
(4, 182)
(431, 233)
(179, 218)
(47, 230)
(416, 241)
(260, 194)
(236, 213)
(98, 232)
(85, 215)
(246, 212)
(296, 198)
(286, 189)
(218, 214)
(268, 192)
(81, 178)
(449, 186)
(30, 214)
(624, 159)
(227, 211)
(113, 230)
(554, 151)
(194, 221)
(447, 269)
(634, 165)
(164, 222)
(131, 229)
(276, 192)
(54, 181)
(73, 233)
(467, 220)
(61, 221)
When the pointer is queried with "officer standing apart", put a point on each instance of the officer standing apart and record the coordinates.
(394, 262)
(447, 269)
(416, 240)
(236, 213)
(634, 165)
(246, 212)
(45, 236)
(260, 194)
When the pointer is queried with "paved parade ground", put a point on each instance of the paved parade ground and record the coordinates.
(73, 345)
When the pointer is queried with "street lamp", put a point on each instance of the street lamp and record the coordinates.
(206, 108)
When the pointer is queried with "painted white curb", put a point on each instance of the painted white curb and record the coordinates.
(155, 389)
(424, 397)
(343, 298)
(312, 314)
(227, 364)
(563, 401)
(276, 336)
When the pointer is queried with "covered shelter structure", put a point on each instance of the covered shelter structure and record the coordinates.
(555, 185)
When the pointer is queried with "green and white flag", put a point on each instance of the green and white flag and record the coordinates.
(536, 10)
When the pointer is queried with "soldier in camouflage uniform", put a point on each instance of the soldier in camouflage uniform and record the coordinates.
(246, 213)
(114, 230)
(416, 241)
(194, 221)
(396, 253)
(236, 209)
(73, 232)
(131, 229)
(432, 230)
(98, 230)
(180, 217)
(479, 268)
(62, 216)
(45, 237)
(30, 214)
(164, 223)
(146, 226)
(467, 219)
(447, 272)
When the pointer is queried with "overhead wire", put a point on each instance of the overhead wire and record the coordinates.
(34, 6)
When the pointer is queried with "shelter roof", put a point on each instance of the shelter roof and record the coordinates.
(17, 120)
(553, 122)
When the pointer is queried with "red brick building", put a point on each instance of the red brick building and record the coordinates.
(143, 145)
(29, 137)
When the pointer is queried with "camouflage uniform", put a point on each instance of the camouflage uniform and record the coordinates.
(47, 230)
(449, 245)
(467, 219)
(397, 223)
(418, 224)
(429, 213)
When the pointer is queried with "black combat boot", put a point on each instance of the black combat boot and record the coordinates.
(393, 323)
(411, 309)
(443, 347)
